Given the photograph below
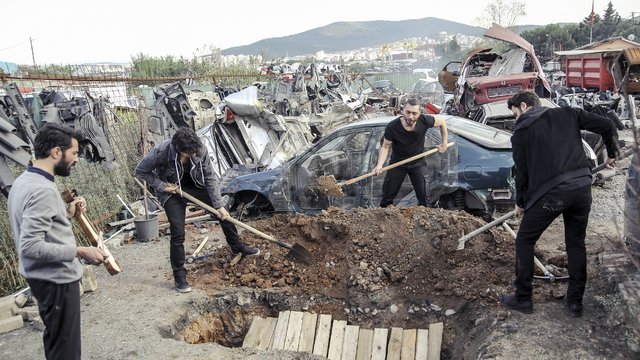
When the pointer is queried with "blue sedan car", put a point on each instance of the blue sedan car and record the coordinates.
(473, 175)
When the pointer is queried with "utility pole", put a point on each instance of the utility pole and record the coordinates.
(33, 57)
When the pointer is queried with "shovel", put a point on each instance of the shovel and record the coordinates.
(296, 250)
(394, 165)
(548, 275)
(327, 185)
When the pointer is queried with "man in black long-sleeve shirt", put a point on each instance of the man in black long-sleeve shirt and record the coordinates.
(552, 178)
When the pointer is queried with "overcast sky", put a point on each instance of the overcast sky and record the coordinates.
(74, 31)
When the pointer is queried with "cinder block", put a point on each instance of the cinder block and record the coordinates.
(89, 282)
(21, 299)
(28, 313)
(6, 304)
(10, 324)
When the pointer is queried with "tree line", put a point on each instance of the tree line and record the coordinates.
(556, 37)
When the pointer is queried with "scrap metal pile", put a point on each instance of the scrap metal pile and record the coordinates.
(20, 119)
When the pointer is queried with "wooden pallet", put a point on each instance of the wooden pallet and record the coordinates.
(337, 340)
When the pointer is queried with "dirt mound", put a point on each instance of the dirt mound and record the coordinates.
(410, 253)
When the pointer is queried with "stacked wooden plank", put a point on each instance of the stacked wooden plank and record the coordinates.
(337, 340)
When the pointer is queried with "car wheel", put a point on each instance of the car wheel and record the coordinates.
(251, 204)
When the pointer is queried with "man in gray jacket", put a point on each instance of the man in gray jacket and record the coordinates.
(182, 164)
(45, 242)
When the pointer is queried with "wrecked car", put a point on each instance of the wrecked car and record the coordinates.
(473, 175)
(486, 76)
(498, 115)
(428, 91)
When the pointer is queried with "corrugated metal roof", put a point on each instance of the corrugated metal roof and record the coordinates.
(632, 55)
(582, 52)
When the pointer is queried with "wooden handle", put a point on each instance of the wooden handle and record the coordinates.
(112, 265)
(394, 165)
(535, 259)
(195, 253)
(234, 221)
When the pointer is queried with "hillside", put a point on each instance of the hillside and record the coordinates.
(342, 36)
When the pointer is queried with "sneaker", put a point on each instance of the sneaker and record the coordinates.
(182, 286)
(245, 250)
(512, 302)
(575, 309)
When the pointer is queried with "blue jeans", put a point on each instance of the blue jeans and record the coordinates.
(574, 205)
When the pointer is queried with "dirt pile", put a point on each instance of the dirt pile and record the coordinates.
(399, 255)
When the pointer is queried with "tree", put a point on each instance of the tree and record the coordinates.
(505, 13)
(610, 21)
(450, 50)
(550, 38)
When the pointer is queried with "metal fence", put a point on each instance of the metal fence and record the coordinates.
(98, 183)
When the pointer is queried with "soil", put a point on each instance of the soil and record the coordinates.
(372, 267)
(325, 185)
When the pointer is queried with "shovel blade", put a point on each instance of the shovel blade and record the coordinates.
(300, 253)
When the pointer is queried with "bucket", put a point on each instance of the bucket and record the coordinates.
(146, 229)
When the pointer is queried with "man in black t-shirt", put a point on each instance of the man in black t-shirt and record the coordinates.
(405, 137)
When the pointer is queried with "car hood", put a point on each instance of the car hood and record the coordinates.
(498, 32)
(258, 181)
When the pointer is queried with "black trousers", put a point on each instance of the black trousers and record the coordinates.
(59, 307)
(175, 208)
(574, 205)
(394, 178)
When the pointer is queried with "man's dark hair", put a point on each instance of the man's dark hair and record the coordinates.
(52, 135)
(186, 140)
(527, 97)
(412, 102)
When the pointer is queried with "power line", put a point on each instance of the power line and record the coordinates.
(16, 45)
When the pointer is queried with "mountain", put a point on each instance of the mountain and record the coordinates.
(343, 36)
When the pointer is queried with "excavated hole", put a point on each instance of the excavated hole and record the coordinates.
(373, 268)
(225, 319)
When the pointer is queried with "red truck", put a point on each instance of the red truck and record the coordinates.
(589, 69)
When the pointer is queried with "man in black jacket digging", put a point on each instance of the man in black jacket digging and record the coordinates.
(552, 178)
(182, 164)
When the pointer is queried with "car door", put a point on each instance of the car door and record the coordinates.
(437, 175)
(344, 155)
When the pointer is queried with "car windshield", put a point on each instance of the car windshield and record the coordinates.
(480, 134)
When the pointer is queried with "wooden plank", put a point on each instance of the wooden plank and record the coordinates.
(280, 332)
(350, 343)
(379, 346)
(336, 340)
(408, 351)
(266, 335)
(321, 343)
(422, 342)
(252, 337)
(395, 344)
(435, 341)
(365, 341)
(308, 332)
(293, 331)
